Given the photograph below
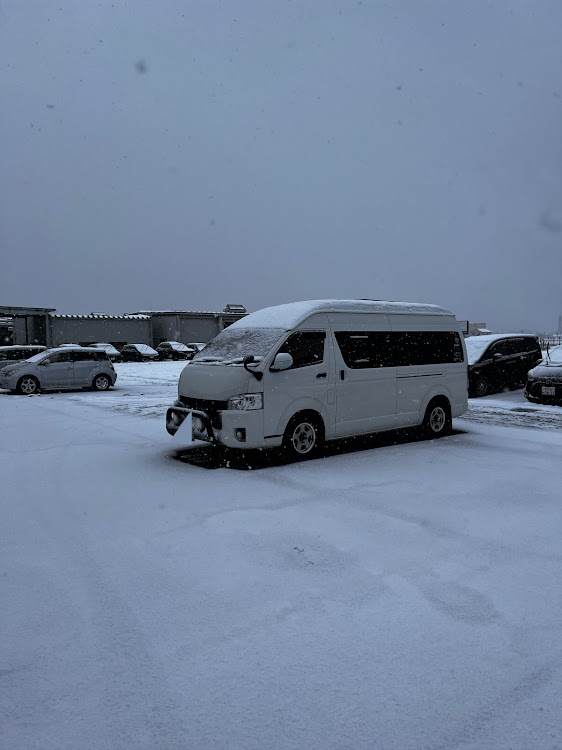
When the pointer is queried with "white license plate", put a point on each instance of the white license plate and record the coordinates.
(548, 390)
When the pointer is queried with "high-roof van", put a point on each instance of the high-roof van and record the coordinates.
(305, 372)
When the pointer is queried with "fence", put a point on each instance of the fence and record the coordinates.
(554, 339)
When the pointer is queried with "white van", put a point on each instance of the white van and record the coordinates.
(305, 372)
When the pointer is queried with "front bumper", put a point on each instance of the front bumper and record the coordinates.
(8, 382)
(533, 391)
(176, 416)
(232, 428)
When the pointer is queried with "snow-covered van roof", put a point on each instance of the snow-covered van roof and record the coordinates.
(290, 315)
(476, 345)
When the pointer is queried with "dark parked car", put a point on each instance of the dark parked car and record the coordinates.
(138, 353)
(174, 350)
(9, 355)
(500, 360)
(544, 382)
(113, 353)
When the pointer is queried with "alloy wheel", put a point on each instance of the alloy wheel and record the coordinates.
(28, 386)
(303, 438)
(437, 419)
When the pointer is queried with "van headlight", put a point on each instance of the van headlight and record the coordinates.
(246, 402)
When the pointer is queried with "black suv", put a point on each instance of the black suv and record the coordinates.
(499, 361)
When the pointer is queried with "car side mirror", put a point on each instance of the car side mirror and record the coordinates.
(282, 361)
(45, 362)
(497, 356)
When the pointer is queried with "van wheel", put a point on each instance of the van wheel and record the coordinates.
(304, 435)
(481, 387)
(101, 383)
(437, 420)
(27, 386)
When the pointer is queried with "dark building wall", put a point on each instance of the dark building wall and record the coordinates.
(184, 328)
(20, 334)
(165, 328)
(199, 329)
(30, 329)
(92, 330)
(6, 334)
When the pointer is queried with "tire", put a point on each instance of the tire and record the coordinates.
(101, 382)
(304, 435)
(27, 386)
(481, 387)
(437, 421)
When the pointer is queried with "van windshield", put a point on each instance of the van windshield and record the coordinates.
(233, 344)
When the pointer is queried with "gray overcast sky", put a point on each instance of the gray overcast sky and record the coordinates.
(176, 154)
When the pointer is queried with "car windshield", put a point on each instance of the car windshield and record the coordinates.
(233, 344)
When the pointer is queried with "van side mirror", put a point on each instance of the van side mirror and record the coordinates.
(282, 361)
(248, 361)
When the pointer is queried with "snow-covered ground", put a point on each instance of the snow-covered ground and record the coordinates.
(404, 595)
(149, 388)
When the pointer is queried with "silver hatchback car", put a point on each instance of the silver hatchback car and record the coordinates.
(57, 369)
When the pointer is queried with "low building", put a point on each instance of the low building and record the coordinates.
(89, 329)
(42, 325)
(473, 329)
(190, 326)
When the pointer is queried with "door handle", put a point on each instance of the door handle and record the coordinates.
(342, 374)
(322, 374)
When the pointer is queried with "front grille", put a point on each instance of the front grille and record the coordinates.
(203, 404)
(211, 407)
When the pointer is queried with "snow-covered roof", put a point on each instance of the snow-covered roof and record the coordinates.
(239, 311)
(476, 345)
(96, 316)
(177, 345)
(289, 315)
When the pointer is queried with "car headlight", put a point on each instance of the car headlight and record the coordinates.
(246, 402)
(9, 371)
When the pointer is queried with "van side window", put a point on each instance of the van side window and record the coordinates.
(530, 345)
(427, 348)
(362, 349)
(305, 347)
(498, 347)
